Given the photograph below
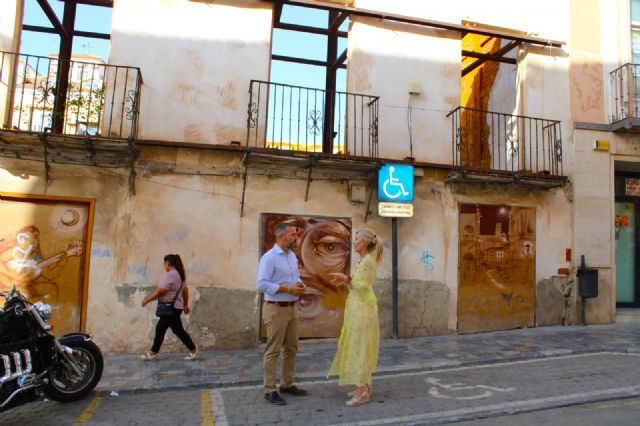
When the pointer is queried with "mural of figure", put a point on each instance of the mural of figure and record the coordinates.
(323, 247)
(22, 264)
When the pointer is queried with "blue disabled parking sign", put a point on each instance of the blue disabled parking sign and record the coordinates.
(395, 183)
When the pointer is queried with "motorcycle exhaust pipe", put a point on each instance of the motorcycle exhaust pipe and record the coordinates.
(17, 361)
(27, 359)
(6, 362)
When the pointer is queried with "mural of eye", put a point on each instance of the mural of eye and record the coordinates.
(310, 305)
(330, 245)
(324, 248)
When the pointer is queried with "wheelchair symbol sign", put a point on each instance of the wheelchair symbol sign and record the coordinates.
(395, 183)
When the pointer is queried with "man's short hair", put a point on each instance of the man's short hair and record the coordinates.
(281, 228)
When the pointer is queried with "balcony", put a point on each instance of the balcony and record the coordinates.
(495, 147)
(298, 119)
(55, 105)
(625, 98)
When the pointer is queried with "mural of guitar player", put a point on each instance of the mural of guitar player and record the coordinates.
(22, 264)
(323, 247)
(41, 253)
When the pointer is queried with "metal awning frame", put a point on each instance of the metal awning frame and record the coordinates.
(340, 13)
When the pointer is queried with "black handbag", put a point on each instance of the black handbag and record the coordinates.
(166, 309)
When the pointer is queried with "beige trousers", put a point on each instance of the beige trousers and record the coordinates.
(281, 323)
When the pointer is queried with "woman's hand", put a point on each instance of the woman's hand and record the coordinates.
(338, 278)
(153, 296)
(186, 310)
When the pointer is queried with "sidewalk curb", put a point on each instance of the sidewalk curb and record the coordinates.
(382, 371)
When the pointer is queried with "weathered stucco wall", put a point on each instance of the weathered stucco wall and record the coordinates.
(586, 70)
(386, 60)
(188, 202)
(10, 24)
(197, 58)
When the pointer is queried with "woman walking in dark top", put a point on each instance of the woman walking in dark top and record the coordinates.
(172, 287)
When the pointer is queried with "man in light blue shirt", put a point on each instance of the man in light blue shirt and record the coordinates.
(279, 280)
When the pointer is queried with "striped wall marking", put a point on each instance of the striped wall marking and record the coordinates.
(89, 410)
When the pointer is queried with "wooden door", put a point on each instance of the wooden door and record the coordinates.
(496, 267)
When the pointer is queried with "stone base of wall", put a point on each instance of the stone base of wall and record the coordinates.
(423, 308)
(225, 318)
(555, 301)
(220, 319)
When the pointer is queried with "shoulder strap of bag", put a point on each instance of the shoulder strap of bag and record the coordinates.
(178, 292)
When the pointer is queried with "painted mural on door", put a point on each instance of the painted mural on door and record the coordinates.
(43, 251)
(496, 267)
(323, 246)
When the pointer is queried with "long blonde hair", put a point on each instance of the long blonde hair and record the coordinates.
(375, 245)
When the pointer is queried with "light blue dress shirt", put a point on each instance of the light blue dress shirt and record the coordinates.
(277, 268)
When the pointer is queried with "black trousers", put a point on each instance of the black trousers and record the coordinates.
(175, 324)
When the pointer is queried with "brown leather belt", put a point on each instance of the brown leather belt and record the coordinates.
(283, 304)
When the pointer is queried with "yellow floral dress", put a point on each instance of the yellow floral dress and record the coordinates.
(357, 356)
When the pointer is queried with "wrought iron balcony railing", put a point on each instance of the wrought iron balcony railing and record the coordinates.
(294, 118)
(95, 99)
(625, 92)
(487, 141)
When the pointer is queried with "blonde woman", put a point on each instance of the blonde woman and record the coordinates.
(356, 359)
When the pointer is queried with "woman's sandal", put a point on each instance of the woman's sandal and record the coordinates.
(363, 398)
(192, 356)
(353, 392)
(148, 356)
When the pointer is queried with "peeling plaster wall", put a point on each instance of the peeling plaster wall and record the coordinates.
(556, 301)
(544, 92)
(586, 68)
(10, 25)
(385, 59)
(197, 59)
(188, 202)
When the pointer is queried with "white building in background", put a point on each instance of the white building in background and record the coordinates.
(33, 100)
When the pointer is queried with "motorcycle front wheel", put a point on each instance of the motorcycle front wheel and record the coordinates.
(65, 384)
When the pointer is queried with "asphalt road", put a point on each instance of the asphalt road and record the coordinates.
(601, 388)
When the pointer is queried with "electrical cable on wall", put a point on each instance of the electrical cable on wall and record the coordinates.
(410, 125)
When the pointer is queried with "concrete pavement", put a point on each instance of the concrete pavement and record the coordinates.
(224, 368)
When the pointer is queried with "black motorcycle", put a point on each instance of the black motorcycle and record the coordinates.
(33, 360)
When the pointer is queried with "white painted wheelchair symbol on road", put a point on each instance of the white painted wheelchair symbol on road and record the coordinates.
(394, 182)
(441, 390)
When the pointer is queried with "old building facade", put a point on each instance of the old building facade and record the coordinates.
(199, 151)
